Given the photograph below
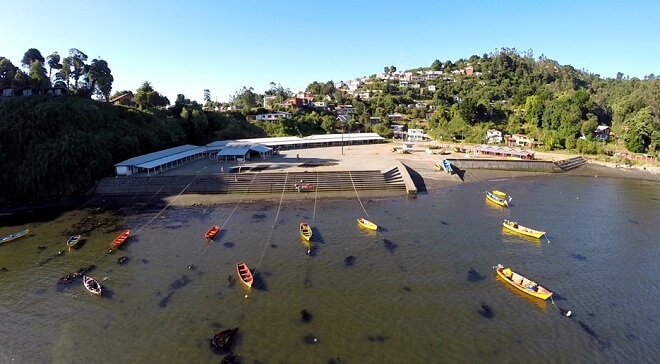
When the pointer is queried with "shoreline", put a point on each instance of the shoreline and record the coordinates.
(355, 157)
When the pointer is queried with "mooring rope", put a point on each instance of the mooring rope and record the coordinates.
(357, 194)
(232, 212)
(270, 235)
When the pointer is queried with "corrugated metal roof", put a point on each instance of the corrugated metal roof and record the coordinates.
(157, 155)
(171, 158)
(269, 140)
(260, 148)
(503, 150)
(234, 151)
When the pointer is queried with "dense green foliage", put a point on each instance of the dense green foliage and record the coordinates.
(55, 146)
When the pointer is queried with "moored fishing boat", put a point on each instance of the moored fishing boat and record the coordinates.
(305, 231)
(244, 274)
(438, 167)
(514, 226)
(447, 166)
(72, 241)
(523, 284)
(367, 224)
(92, 285)
(212, 232)
(14, 236)
(494, 198)
(121, 239)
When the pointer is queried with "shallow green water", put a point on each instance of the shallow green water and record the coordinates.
(415, 297)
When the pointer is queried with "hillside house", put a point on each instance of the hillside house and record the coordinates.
(521, 140)
(273, 117)
(344, 110)
(493, 136)
(603, 132)
(415, 135)
(395, 117)
(7, 91)
(125, 99)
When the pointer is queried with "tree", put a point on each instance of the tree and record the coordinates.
(207, 95)
(78, 60)
(53, 63)
(436, 65)
(392, 69)
(589, 127)
(65, 71)
(30, 56)
(21, 79)
(38, 77)
(386, 70)
(100, 78)
(146, 97)
(7, 72)
(328, 123)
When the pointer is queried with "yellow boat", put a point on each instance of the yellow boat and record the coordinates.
(497, 198)
(523, 284)
(514, 226)
(367, 224)
(305, 231)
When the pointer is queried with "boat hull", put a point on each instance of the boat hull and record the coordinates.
(496, 200)
(92, 285)
(14, 236)
(305, 231)
(212, 232)
(540, 292)
(121, 239)
(367, 224)
(73, 240)
(244, 274)
(522, 230)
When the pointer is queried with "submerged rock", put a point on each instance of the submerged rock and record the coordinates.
(229, 359)
(305, 316)
(223, 339)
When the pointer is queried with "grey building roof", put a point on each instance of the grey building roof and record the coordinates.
(162, 156)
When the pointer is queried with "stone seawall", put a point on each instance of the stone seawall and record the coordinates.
(506, 164)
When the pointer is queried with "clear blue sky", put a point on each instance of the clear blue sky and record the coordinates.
(188, 46)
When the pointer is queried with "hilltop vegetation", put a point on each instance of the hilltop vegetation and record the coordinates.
(56, 146)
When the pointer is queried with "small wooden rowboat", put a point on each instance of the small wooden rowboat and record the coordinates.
(305, 231)
(244, 274)
(514, 226)
(212, 232)
(522, 283)
(92, 285)
(438, 167)
(367, 224)
(121, 239)
(73, 240)
(14, 236)
(497, 199)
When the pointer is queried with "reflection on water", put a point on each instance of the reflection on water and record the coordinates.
(422, 288)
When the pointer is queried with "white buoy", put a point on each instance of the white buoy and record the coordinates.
(245, 296)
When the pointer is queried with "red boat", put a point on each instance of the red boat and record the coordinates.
(213, 232)
(121, 239)
(244, 274)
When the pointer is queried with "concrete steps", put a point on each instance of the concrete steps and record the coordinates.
(253, 183)
(571, 163)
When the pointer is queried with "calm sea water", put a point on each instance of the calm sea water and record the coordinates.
(411, 293)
